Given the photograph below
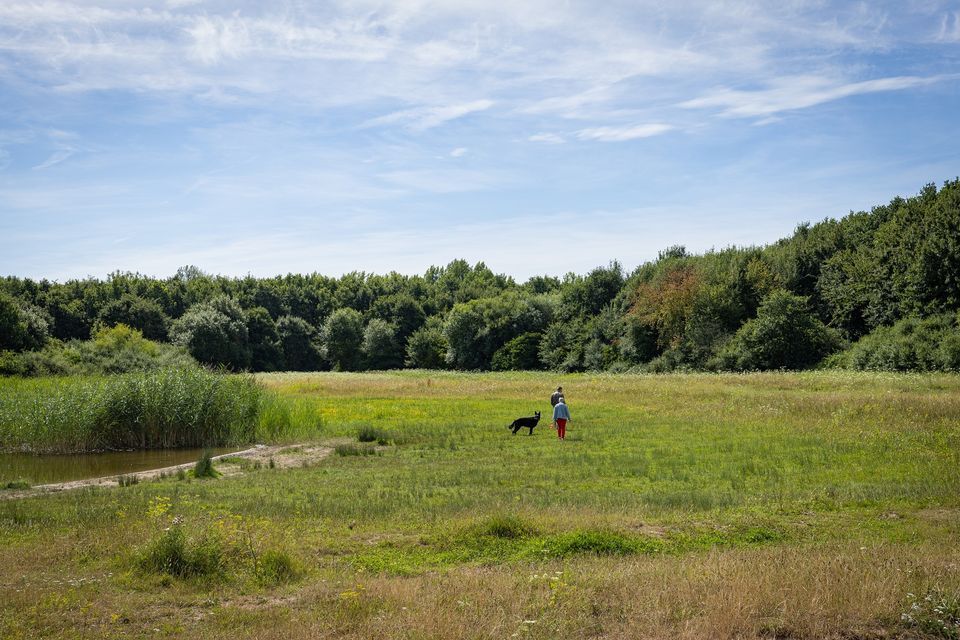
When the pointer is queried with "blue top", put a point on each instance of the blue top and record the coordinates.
(560, 411)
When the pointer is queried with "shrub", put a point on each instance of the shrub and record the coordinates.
(276, 567)
(912, 344)
(174, 554)
(520, 353)
(136, 312)
(784, 335)
(16, 484)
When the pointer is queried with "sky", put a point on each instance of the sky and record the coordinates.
(537, 136)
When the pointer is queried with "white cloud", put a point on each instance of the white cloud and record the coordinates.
(423, 118)
(796, 92)
(458, 152)
(442, 180)
(950, 27)
(56, 157)
(546, 136)
(622, 134)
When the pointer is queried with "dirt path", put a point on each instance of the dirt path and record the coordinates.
(230, 464)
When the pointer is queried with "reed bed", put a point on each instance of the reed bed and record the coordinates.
(169, 408)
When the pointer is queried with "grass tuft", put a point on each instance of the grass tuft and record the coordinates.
(350, 449)
(204, 467)
(276, 567)
(174, 554)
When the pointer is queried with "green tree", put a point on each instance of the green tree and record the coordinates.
(300, 352)
(520, 353)
(23, 327)
(784, 335)
(342, 339)
(381, 349)
(266, 353)
(137, 313)
(215, 333)
(427, 347)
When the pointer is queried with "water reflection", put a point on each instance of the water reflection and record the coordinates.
(63, 468)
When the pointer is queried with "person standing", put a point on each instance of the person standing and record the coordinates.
(556, 396)
(561, 416)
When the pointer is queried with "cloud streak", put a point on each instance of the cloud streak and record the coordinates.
(798, 92)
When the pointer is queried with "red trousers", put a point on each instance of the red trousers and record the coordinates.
(561, 428)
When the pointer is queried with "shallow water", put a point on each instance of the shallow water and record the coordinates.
(46, 469)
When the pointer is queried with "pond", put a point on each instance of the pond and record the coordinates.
(47, 469)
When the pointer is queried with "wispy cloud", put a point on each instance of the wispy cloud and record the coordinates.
(549, 138)
(56, 157)
(797, 92)
(458, 152)
(950, 27)
(622, 134)
(423, 118)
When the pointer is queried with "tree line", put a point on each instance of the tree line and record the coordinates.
(876, 289)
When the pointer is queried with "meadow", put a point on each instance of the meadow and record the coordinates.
(774, 505)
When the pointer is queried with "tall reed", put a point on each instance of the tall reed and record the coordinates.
(188, 407)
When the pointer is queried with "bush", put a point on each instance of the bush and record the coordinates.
(784, 335)
(520, 353)
(133, 311)
(176, 555)
(912, 344)
(276, 567)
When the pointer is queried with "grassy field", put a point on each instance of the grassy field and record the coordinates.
(700, 506)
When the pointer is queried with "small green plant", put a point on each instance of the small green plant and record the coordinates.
(936, 614)
(128, 480)
(174, 554)
(273, 463)
(17, 484)
(181, 474)
(351, 449)
(368, 434)
(601, 543)
(276, 567)
(204, 467)
(506, 526)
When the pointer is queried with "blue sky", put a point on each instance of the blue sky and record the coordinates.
(537, 136)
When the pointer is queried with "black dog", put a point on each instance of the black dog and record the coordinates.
(530, 423)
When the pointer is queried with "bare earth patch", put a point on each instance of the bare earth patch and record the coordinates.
(283, 457)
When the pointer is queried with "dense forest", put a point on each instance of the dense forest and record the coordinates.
(872, 290)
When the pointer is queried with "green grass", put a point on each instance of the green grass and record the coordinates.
(168, 408)
(835, 493)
